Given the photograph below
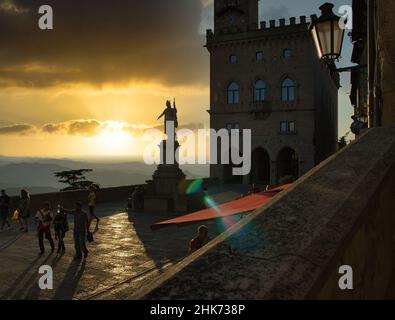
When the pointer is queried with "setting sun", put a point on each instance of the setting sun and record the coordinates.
(113, 140)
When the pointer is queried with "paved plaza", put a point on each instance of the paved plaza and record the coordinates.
(125, 255)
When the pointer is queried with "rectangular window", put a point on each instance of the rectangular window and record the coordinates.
(232, 59)
(284, 126)
(287, 53)
(287, 127)
(259, 56)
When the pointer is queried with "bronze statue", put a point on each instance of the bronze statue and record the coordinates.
(170, 114)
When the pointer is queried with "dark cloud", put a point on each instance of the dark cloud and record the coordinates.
(54, 128)
(17, 129)
(75, 127)
(275, 12)
(102, 41)
(84, 127)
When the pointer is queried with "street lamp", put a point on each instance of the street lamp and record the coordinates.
(327, 33)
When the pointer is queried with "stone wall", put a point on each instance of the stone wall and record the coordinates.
(69, 198)
(104, 195)
(339, 213)
(386, 48)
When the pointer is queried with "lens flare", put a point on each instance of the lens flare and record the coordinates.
(222, 223)
(196, 186)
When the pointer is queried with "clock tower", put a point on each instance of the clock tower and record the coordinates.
(235, 14)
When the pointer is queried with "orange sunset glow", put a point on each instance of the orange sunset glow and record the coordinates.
(92, 90)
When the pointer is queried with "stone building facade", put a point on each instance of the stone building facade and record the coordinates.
(380, 55)
(267, 77)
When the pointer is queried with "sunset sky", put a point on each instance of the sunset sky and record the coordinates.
(91, 86)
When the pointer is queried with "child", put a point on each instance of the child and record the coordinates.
(61, 226)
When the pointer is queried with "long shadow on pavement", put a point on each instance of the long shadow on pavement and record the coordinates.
(67, 288)
(34, 291)
(19, 294)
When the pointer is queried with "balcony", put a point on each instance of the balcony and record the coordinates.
(261, 110)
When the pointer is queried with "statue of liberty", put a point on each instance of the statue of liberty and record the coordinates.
(170, 114)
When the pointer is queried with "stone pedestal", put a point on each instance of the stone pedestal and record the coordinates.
(166, 179)
(153, 203)
(165, 194)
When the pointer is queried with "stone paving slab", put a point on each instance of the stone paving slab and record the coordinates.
(125, 255)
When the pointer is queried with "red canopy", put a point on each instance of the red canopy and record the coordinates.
(242, 205)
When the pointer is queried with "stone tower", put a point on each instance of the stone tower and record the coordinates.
(267, 77)
(239, 14)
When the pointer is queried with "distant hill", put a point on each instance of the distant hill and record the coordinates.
(37, 175)
(32, 190)
(25, 174)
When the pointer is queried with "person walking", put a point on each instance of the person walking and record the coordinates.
(4, 210)
(92, 206)
(61, 226)
(24, 210)
(44, 218)
(81, 224)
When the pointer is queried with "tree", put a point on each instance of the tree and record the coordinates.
(342, 141)
(75, 179)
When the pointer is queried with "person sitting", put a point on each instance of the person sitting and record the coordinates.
(254, 189)
(137, 199)
(200, 240)
(357, 126)
(141, 198)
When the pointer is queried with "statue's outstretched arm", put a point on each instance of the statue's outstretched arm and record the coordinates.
(163, 113)
(174, 105)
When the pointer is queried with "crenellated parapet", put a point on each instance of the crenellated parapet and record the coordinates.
(265, 25)
(283, 22)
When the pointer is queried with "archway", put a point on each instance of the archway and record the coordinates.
(260, 167)
(229, 177)
(287, 166)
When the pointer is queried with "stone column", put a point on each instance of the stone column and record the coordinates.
(246, 179)
(273, 173)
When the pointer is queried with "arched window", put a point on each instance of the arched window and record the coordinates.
(233, 93)
(288, 90)
(260, 91)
